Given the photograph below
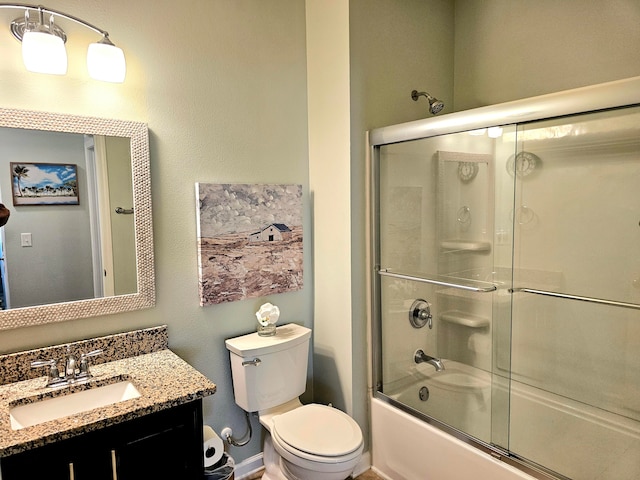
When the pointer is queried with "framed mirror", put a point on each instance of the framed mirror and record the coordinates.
(79, 241)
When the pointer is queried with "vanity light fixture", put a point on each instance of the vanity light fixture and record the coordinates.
(42, 45)
(43, 48)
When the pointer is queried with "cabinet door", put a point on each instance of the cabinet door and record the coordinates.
(164, 445)
(40, 463)
(65, 460)
(93, 464)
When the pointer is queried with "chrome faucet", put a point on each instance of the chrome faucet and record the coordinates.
(421, 357)
(72, 371)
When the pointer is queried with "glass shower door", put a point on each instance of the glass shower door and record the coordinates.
(575, 402)
(444, 270)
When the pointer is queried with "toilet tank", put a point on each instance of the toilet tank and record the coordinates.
(269, 371)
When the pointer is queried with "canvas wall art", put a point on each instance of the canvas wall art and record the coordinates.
(249, 241)
(44, 184)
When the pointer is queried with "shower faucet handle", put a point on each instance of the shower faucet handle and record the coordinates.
(420, 314)
(426, 315)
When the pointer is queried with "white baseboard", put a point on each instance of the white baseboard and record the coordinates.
(380, 474)
(248, 467)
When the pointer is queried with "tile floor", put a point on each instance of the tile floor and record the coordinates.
(368, 475)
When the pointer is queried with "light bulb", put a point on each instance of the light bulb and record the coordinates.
(106, 62)
(494, 132)
(478, 132)
(43, 52)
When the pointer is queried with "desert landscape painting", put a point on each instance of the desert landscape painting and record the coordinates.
(249, 241)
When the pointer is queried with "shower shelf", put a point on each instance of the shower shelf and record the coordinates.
(443, 281)
(466, 245)
(466, 320)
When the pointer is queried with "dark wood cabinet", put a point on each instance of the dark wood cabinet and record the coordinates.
(163, 445)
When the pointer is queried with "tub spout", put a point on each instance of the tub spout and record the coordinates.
(421, 357)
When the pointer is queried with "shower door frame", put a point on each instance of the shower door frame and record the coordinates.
(594, 98)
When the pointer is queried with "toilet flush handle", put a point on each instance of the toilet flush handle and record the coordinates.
(252, 363)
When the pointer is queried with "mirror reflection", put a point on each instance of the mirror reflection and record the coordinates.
(65, 240)
(79, 240)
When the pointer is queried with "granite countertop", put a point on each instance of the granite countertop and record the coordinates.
(163, 379)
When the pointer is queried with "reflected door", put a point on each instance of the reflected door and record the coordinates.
(4, 292)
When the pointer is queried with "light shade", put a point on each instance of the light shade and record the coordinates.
(478, 132)
(106, 62)
(494, 132)
(43, 52)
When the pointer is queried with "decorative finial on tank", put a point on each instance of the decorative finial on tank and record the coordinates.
(435, 105)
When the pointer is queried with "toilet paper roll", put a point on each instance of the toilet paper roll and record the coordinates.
(213, 446)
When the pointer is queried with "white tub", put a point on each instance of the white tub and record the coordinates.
(574, 439)
(459, 396)
(405, 448)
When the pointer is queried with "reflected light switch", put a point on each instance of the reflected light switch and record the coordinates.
(25, 240)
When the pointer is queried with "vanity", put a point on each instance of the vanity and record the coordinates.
(150, 425)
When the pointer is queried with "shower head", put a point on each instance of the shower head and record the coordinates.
(435, 105)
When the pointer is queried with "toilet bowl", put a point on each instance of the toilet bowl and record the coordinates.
(316, 442)
(303, 442)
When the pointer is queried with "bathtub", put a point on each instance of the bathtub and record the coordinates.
(459, 396)
(577, 440)
(406, 448)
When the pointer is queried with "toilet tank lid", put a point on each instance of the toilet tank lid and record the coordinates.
(253, 344)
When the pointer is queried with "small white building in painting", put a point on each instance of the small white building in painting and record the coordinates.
(271, 233)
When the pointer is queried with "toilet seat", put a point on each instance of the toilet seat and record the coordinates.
(318, 433)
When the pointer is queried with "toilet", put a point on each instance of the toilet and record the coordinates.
(303, 442)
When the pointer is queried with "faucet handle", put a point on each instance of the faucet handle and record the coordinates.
(70, 365)
(84, 361)
(54, 373)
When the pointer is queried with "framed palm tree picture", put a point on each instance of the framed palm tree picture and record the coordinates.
(44, 184)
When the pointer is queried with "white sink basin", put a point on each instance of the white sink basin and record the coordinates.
(48, 409)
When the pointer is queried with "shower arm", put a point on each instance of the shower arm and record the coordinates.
(416, 94)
